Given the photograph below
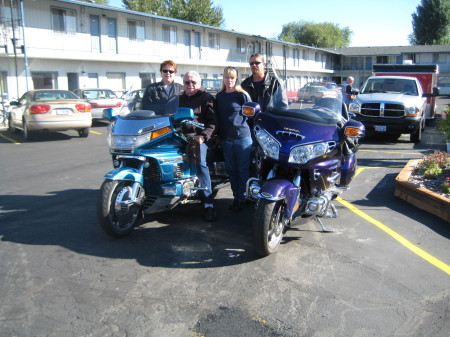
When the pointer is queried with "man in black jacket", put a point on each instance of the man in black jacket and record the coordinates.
(261, 86)
(203, 105)
(158, 94)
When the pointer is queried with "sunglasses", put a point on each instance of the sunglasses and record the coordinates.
(190, 82)
(165, 71)
(255, 63)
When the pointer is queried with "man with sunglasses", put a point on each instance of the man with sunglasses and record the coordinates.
(157, 95)
(203, 104)
(261, 85)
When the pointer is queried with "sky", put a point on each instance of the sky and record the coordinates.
(373, 22)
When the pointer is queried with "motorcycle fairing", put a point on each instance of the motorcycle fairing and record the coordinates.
(291, 132)
(277, 189)
(125, 173)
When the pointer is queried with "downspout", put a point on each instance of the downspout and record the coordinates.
(25, 58)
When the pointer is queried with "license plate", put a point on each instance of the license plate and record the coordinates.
(380, 128)
(63, 111)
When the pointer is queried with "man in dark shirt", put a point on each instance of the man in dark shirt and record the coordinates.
(261, 86)
(203, 105)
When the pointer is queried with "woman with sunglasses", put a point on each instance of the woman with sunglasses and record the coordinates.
(158, 94)
(235, 135)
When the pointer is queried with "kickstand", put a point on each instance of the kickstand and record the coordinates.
(324, 228)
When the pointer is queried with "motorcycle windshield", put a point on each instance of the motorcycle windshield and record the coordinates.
(327, 110)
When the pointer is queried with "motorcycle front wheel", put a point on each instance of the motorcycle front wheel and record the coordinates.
(115, 214)
(268, 226)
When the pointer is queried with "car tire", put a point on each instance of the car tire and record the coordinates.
(313, 99)
(83, 133)
(26, 134)
(416, 136)
(11, 127)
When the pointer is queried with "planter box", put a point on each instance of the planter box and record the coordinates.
(420, 196)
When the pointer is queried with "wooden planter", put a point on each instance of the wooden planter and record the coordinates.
(420, 196)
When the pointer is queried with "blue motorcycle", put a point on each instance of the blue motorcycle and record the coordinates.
(305, 158)
(154, 168)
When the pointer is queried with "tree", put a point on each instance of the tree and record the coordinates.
(431, 23)
(320, 35)
(200, 11)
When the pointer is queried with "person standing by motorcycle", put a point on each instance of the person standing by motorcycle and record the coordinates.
(203, 104)
(261, 85)
(157, 94)
(234, 134)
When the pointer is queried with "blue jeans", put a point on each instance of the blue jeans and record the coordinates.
(203, 175)
(237, 162)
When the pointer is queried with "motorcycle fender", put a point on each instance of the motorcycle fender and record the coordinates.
(278, 189)
(126, 173)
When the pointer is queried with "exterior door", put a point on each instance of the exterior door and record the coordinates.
(94, 21)
(197, 44)
(73, 81)
(112, 35)
(187, 43)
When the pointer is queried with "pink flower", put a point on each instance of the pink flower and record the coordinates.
(444, 115)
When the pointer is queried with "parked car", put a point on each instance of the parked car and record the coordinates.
(212, 85)
(101, 99)
(313, 94)
(329, 85)
(50, 110)
(134, 99)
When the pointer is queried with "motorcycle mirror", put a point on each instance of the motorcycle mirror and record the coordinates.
(183, 114)
(108, 114)
(250, 109)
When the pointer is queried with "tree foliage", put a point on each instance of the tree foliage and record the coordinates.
(431, 23)
(201, 11)
(320, 35)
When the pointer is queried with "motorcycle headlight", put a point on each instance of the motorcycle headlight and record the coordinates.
(354, 107)
(412, 111)
(269, 145)
(304, 153)
(127, 142)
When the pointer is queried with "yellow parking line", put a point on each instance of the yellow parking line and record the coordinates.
(416, 250)
(97, 133)
(10, 139)
(396, 152)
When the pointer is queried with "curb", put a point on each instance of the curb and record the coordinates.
(419, 196)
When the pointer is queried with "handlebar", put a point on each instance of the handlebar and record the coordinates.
(196, 124)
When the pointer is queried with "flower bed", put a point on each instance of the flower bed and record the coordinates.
(419, 196)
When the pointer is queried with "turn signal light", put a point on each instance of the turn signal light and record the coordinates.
(39, 109)
(160, 132)
(351, 131)
(248, 111)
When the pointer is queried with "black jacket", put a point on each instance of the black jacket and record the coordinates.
(269, 87)
(204, 105)
(155, 97)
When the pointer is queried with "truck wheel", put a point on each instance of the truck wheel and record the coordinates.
(416, 136)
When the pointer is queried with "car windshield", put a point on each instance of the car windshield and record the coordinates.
(53, 95)
(326, 111)
(98, 94)
(390, 85)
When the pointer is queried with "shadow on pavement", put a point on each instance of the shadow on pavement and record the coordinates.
(179, 238)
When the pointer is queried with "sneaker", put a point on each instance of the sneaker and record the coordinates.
(209, 214)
